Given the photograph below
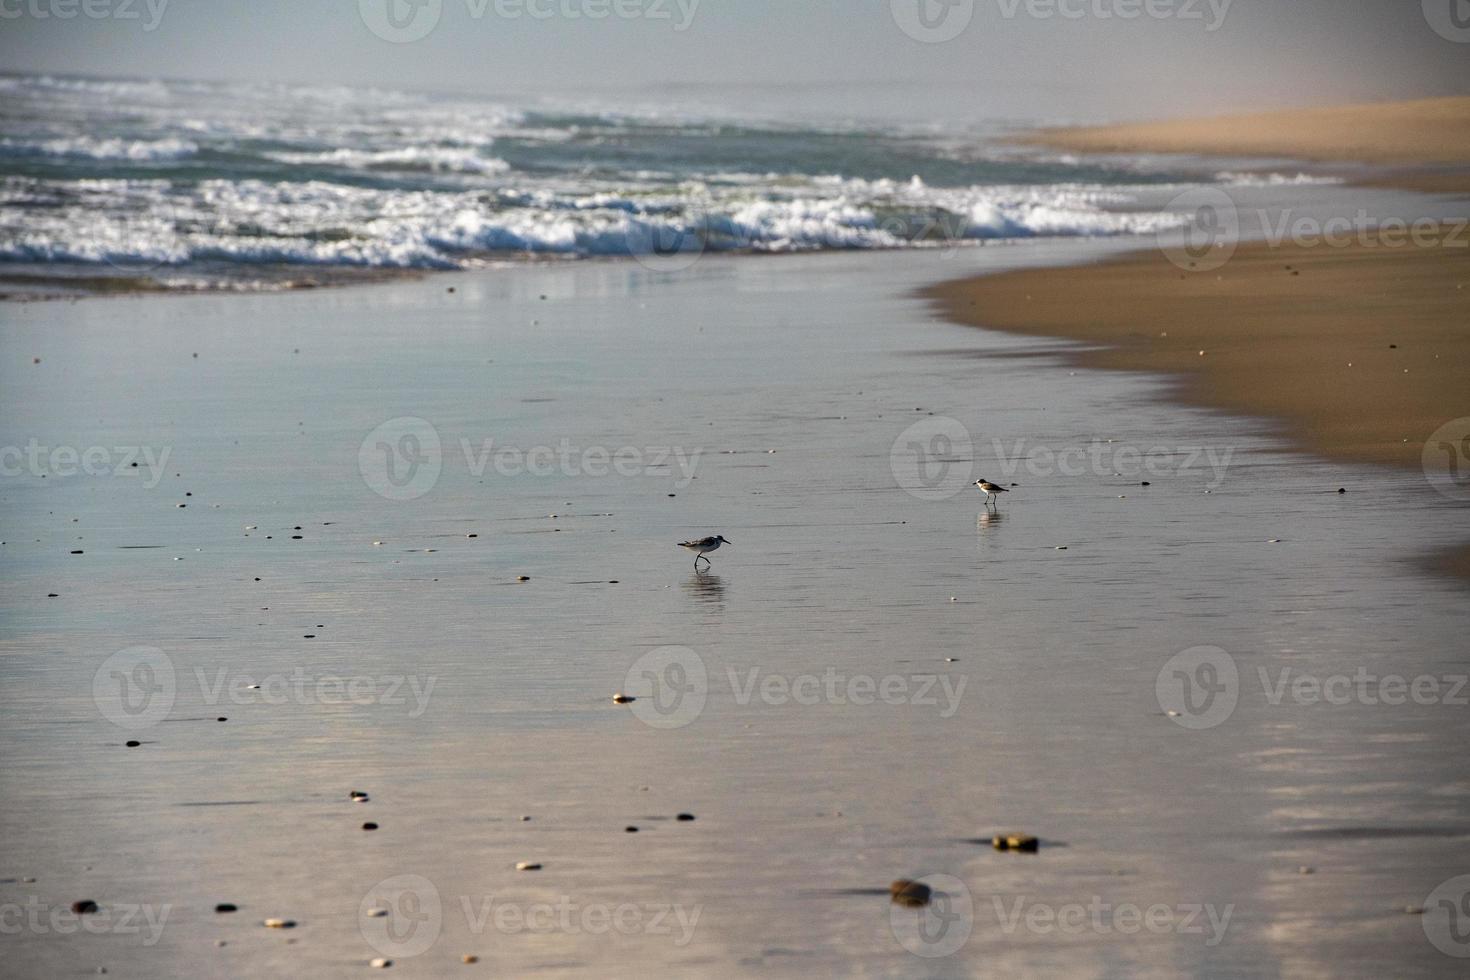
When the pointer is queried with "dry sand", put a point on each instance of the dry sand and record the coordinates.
(1362, 355)
(1427, 132)
(1360, 352)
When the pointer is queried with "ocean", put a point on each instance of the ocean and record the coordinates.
(119, 184)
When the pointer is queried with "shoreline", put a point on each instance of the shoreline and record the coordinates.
(1357, 354)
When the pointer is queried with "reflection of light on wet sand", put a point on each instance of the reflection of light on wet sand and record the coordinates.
(1058, 732)
(706, 587)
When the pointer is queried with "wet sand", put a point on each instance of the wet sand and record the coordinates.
(1041, 666)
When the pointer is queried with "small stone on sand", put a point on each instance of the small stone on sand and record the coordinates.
(528, 866)
(910, 894)
(132, 743)
(685, 817)
(84, 907)
(377, 913)
(381, 964)
(1024, 843)
(279, 924)
(623, 699)
(224, 907)
(369, 826)
(470, 957)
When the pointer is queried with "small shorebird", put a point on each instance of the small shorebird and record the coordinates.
(990, 489)
(703, 547)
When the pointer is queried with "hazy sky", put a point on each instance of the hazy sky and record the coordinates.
(1057, 59)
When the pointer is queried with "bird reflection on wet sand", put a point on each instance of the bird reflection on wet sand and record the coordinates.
(706, 587)
(988, 518)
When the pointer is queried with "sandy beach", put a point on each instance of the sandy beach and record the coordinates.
(1426, 134)
(346, 630)
(1360, 351)
(361, 624)
(1354, 342)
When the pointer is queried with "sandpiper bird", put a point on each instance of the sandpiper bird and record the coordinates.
(703, 547)
(990, 489)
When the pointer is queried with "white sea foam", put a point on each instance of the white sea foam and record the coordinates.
(433, 158)
(271, 174)
(101, 149)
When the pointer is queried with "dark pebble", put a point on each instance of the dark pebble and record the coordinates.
(370, 826)
(85, 907)
(630, 830)
(911, 894)
(224, 907)
(685, 817)
(222, 719)
(133, 745)
(1146, 484)
(1342, 489)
